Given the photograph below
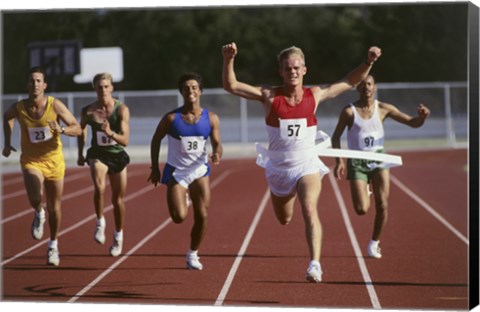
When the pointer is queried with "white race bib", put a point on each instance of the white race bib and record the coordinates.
(39, 134)
(293, 129)
(193, 144)
(370, 141)
(104, 140)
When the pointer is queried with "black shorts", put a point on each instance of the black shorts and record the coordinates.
(115, 162)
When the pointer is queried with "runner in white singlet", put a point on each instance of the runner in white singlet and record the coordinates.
(364, 120)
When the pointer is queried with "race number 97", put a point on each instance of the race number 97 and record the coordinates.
(369, 141)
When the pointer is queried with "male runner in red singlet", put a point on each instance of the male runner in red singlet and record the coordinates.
(292, 126)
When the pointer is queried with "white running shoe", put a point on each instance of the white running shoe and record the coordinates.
(37, 226)
(374, 250)
(314, 272)
(193, 262)
(99, 234)
(116, 248)
(53, 257)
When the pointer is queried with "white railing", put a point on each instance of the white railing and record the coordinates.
(242, 121)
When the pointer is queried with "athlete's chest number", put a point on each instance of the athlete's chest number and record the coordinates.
(104, 140)
(192, 144)
(369, 141)
(293, 129)
(39, 134)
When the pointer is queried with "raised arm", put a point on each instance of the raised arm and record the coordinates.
(351, 80)
(414, 122)
(229, 79)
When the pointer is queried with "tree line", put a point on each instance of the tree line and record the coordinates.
(420, 42)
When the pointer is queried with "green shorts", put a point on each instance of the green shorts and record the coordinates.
(361, 169)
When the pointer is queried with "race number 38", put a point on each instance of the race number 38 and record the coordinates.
(39, 134)
(293, 129)
(192, 144)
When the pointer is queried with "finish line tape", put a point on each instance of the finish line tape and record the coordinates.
(324, 149)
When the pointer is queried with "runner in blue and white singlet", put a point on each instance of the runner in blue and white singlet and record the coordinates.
(186, 173)
(187, 157)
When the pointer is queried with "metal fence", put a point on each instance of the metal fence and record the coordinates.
(242, 121)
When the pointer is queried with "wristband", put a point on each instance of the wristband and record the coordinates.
(63, 130)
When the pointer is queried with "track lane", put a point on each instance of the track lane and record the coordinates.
(155, 273)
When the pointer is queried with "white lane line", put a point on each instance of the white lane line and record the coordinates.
(353, 239)
(241, 252)
(65, 197)
(30, 210)
(78, 224)
(429, 209)
(67, 179)
(119, 261)
(137, 246)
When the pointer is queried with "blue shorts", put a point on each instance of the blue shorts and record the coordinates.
(184, 177)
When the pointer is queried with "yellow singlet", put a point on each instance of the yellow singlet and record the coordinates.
(41, 147)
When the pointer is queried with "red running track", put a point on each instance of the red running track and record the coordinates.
(250, 260)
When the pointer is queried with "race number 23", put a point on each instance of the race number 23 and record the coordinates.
(39, 134)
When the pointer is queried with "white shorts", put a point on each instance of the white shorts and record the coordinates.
(184, 177)
(283, 182)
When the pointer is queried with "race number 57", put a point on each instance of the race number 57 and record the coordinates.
(293, 129)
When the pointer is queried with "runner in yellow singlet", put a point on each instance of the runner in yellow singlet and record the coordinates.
(41, 160)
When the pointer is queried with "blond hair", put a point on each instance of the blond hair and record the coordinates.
(285, 53)
(102, 76)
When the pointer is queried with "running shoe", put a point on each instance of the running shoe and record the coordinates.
(116, 248)
(314, 272)
(53, 257)
(99, 234)
(374, 250)
(193, 262)
(37, 226)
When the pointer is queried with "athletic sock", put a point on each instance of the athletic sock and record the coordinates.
(40, 214)
(53, 244)
(101, 221)
(118, 235)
